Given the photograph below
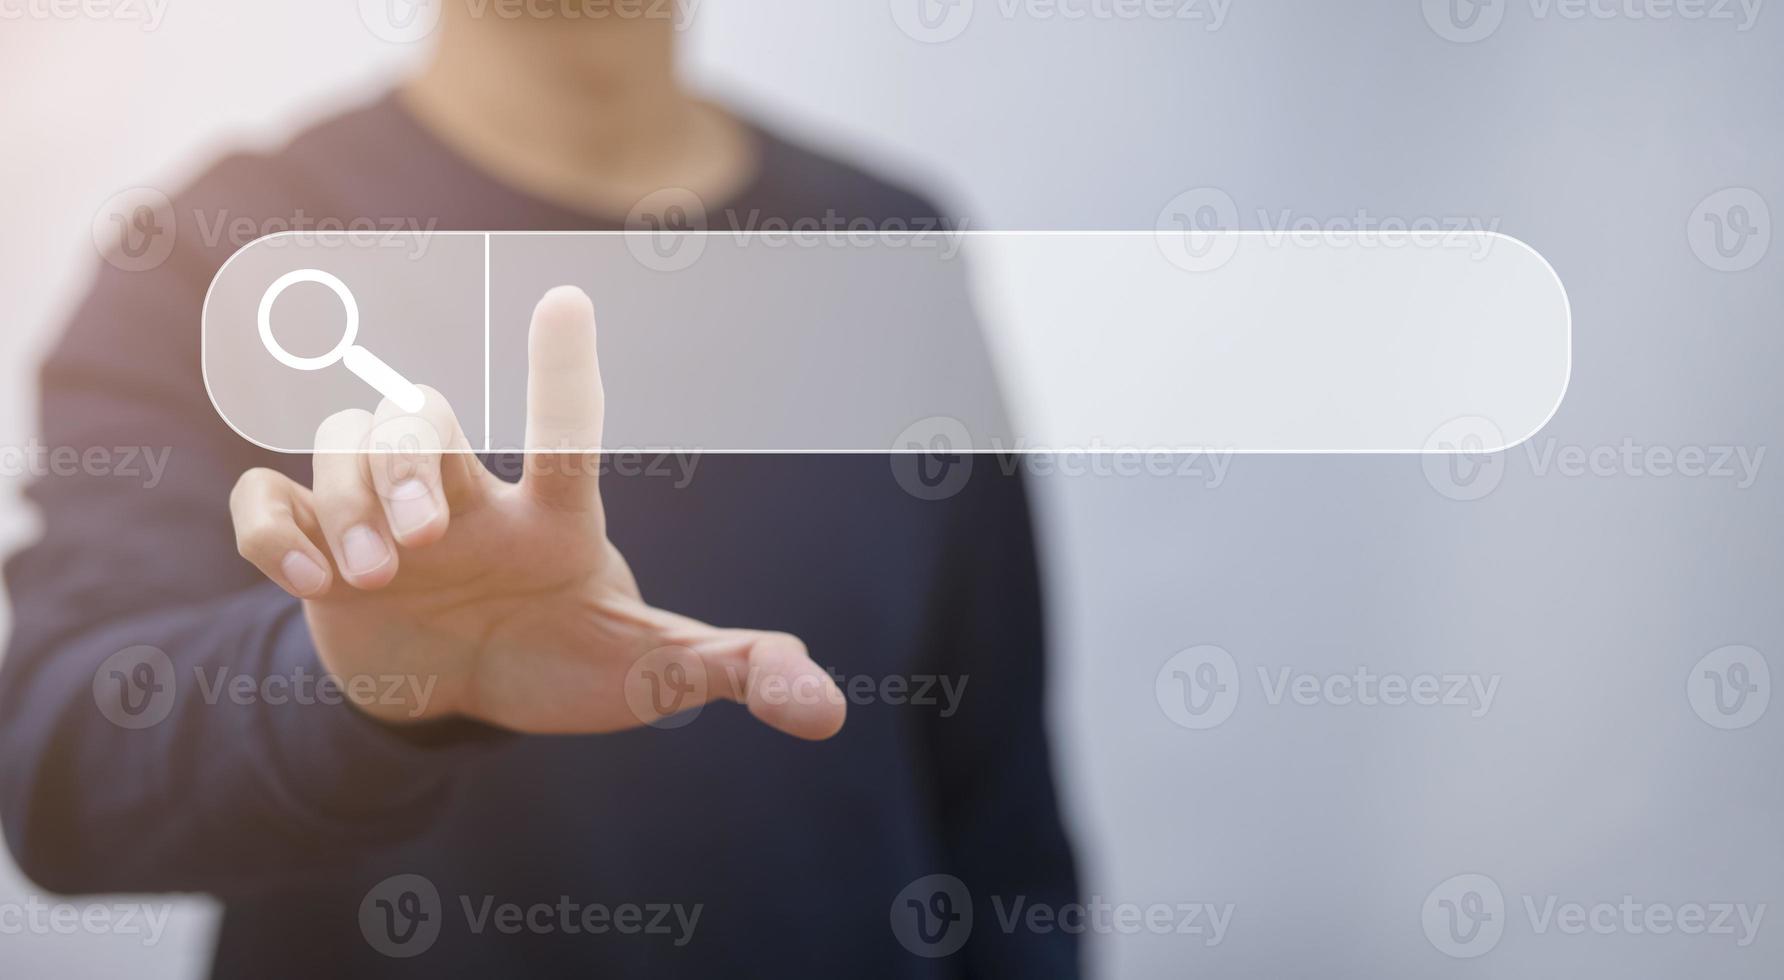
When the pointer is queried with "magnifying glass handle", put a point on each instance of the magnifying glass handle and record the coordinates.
(383, 377)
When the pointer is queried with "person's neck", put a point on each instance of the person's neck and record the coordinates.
(588, 116)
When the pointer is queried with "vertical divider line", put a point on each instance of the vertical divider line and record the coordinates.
(488, 435)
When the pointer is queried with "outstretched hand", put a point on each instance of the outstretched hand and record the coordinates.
(413, 560)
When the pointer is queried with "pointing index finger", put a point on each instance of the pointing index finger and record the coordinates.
(565, 401)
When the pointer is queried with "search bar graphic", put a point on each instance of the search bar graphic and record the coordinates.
(981, 342)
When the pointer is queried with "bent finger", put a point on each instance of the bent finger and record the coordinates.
(347, 506)
(421, 469)
(276, 531)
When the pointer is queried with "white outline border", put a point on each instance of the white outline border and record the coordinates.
(489, 236)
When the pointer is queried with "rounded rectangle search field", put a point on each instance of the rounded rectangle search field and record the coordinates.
(846, 341)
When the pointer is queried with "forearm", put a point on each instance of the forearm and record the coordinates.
(223, 767)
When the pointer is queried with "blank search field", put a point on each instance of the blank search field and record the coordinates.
(1004, 342)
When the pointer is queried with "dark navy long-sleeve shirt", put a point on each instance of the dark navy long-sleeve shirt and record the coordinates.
(341, 847)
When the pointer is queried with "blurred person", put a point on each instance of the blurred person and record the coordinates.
(773, 837)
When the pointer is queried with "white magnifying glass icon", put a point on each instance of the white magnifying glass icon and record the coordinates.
(360, 361)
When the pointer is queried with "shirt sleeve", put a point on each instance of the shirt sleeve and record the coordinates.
(1000, 816)
(162, 723)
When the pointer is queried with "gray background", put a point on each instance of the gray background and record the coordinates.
(1591, 596)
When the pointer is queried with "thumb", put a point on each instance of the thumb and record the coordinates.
(775, 677)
